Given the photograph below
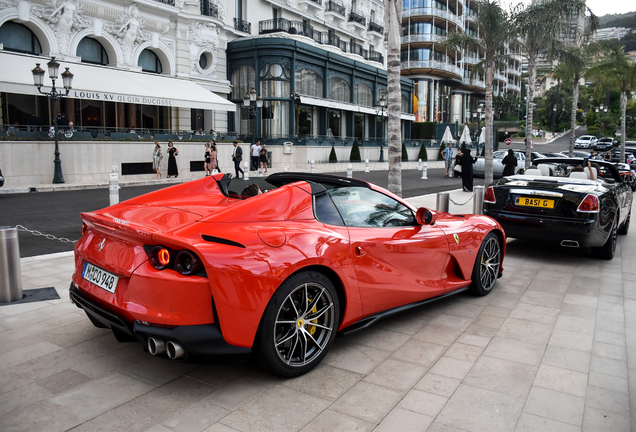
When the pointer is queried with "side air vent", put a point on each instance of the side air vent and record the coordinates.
(220, 240)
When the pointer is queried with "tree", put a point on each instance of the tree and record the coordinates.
(614, 71)
(393, 25)
(354, 156)
(495, 31)
(540, 26)
(576, 60)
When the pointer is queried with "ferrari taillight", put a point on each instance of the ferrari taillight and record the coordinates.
(84, 229)
(160, 257)
(489, 195)
(589, 204)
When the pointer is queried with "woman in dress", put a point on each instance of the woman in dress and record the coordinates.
(262, 158)
(172, 160)
(509, 162)
(214, 161)
(157, 156)
(207, 159)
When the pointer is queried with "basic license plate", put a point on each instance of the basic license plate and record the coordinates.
(99, 277)
(534, 202)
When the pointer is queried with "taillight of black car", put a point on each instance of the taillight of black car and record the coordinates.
(589, 204)
(489, 195)
(185, 262)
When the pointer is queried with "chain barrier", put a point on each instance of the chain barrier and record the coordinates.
(462, 204)
(47, 236)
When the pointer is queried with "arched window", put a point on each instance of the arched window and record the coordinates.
(91, 51)
(19, 38)
(338, 89)
(275, 81)
(309, 83)
(149, 62)
(362, 95)
(243, 80)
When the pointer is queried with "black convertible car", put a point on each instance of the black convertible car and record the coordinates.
(561, 201)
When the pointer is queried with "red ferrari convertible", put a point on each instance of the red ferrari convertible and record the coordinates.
(212, 267)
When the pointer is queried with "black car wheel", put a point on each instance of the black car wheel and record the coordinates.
(609, 248)
(624, 229)
(487, 265)
(299, 324)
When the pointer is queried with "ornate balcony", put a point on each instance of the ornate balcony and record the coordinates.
(209, 9)
(310, 5)
(242, 26)
(375, 27)
(357, 18)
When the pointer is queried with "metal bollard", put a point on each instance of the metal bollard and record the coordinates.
(366, 169)
(478, 200)
(246, 171)
(419, 164)
(113, 186)
(443, 201)
(10, 273)
(286, 168)
(350, 170)
(313, 166)
(425, 171)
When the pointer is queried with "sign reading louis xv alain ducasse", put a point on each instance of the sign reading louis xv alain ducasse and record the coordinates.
(113, 97)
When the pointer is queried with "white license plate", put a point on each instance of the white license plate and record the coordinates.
(99, 277)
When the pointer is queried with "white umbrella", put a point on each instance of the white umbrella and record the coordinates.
(482, 136)
(448, 136)
(465, 138)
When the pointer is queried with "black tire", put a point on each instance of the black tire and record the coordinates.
(298, 325)
(624, 229)
(608, 250)
(487, 265)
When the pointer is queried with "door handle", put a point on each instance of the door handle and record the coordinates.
(360, 251)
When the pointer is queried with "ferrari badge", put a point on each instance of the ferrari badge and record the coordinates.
(456, 237)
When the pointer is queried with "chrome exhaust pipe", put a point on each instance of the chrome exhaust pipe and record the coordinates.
(570, 243)
(156, 346)
(174, 350)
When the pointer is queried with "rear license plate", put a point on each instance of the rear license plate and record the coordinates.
(99, 277)
(534, 202)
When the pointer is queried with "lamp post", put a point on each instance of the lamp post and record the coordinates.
(38, 81)
(253, 103)
(380, 107)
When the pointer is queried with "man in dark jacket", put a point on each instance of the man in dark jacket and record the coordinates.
(237, 157)
(467, 170)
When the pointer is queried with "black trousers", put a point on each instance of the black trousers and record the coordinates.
(237, 168)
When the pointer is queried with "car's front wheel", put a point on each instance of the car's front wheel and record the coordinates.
(299, 324)
(487, 265)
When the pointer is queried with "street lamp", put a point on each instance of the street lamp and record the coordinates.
(380, 107)
(253, 103)
(38, 81)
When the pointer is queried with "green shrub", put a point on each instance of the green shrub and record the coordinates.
(405, 154)
(332, 156)
(423, 154)
(355, 152)
(592, 130)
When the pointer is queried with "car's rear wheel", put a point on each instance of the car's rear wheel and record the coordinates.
(608, 250)
(299, 324)
(487, 265)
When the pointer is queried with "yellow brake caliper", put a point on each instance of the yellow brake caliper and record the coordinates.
(312, 329)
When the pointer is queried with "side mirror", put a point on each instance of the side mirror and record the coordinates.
(425, 217)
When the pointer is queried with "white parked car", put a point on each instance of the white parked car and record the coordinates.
(585, 141)
(497, 166)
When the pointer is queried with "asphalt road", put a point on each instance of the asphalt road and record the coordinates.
(58, 213)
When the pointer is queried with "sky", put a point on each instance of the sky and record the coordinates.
(599, 7)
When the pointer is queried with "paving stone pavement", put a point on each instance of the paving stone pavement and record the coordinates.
(552, 348)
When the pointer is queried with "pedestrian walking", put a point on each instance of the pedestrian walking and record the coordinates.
(467, 162)
(509, 162)
(172, 160)
(237, 157)
(157, 157)
(448, 157)
(262, 158)
(207, 158)
(214, 160)
(256, 152)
